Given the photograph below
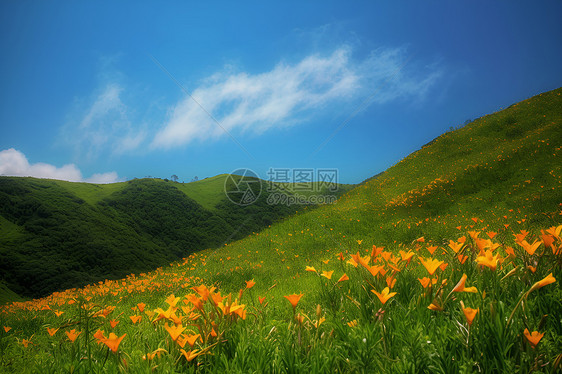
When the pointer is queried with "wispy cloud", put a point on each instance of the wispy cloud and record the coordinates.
(289, 94)
(14, 163)
(103, 126)
(243, 103)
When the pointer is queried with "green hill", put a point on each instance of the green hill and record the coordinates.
(455, 290)
(56, 235)
(503, 169)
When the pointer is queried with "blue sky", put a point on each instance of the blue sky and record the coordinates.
(105, 92)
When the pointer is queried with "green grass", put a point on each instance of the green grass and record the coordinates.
(89, 192)
(208, 192)
(498, 175)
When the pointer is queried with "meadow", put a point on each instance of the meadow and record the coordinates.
(450, 261)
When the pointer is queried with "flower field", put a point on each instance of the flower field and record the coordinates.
(477, 304)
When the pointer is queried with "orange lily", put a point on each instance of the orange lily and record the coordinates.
(469, 313)
(406, 256)
(191, 354)
(430, 264)
(343, 278)
(174, 331)
(191, 339)
(488, 260)
(294, 299)
(327, 274)
(546, 281)
(385, 295)
(455, 246)
(530, 248)
(250, 284)
(172, 300)
(52, 331)
(113, 341)
(533, 338)
(72, 335)
(460, 287)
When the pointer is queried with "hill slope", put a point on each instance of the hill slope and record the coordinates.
(505, 169)
(485, 301)
(56, 235)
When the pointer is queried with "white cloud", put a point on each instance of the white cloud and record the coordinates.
(14, 163)
(103, 126)
(103, 178)
(288, 94)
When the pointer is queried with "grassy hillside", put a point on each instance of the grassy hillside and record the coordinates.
(56, 235)
(474, 216)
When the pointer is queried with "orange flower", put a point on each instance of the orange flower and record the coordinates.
(72, 335)
(192, 339)
(294, 299)
(488, 260)
(196, 301)
(203, 291)
(374, 270)
(546, 281)
(191, 354)
(547, 240)
(520, 237)
(352, 323)
(250, 284)
(430, 264)
(425, 281)
(474, 234)
(135, 319)
(530, 248)
(174, 330)
(113, 323)
(469, 313)
(534, 338)
(113, 341)
(460, 287)
(99, 336)
(455, 246)
(261, 299)
(141, 306)
(327, 274)
(7, 328)
(156, 353)
(310, 268)
(172, 300)
(376, 251)
(431, 249)
(364, 261)
(390, 281)
(385, 295)
(435, 306)
(52, 331)
(406, 256)
(343, 278)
